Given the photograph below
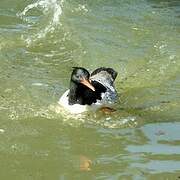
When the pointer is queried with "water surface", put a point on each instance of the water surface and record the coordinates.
(41, 40)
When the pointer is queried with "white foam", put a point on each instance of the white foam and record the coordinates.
(39, 84)
(47, 7)
(2, 130)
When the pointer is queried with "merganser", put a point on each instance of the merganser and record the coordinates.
(89, 92)
(72, 100)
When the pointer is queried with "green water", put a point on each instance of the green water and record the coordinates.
(39, 43)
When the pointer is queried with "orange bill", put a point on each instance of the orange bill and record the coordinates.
(88, 84)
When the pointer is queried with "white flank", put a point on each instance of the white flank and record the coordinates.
(76, 108)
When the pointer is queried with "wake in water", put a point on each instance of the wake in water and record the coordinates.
(52, 9)
(118, 119)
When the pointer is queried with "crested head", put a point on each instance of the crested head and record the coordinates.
(78, 83)
(78, 74)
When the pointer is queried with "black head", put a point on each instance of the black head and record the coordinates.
(110, 71)
(81, 76)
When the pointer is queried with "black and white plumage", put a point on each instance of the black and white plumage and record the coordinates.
(103, 81)
(98, 92)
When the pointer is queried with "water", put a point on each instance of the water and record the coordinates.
(41, 40)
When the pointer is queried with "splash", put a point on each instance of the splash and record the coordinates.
(98, 118)
(51, 9)
(71, 119)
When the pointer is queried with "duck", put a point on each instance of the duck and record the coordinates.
(73, 98)
(89, 91)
